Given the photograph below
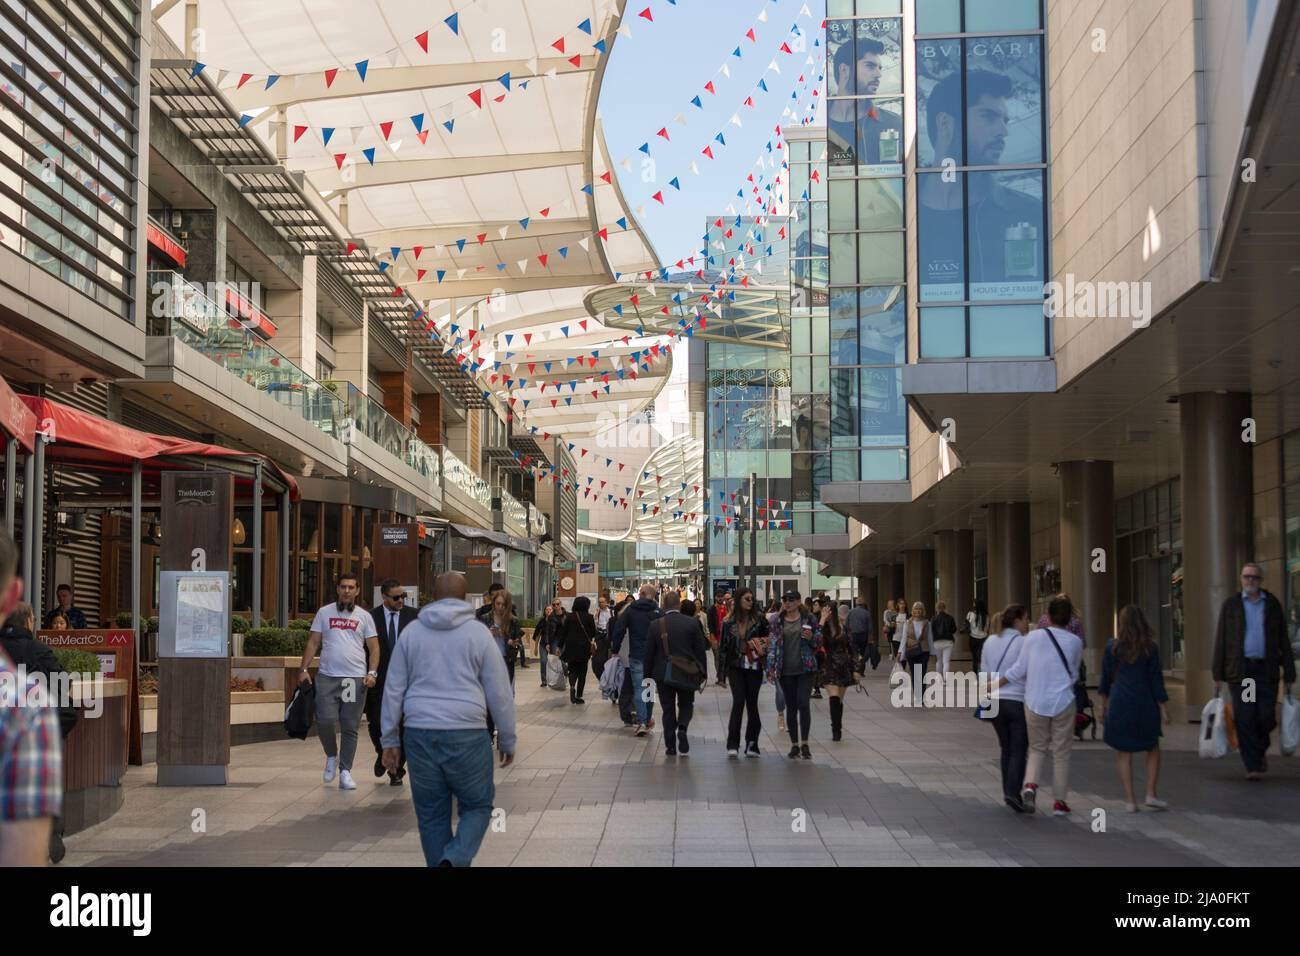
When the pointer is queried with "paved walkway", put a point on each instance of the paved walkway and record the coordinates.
(904, 787)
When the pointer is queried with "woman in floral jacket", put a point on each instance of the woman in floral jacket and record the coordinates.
(792, 662)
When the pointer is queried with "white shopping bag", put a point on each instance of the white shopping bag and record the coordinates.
(1214, 733)
(1290, 725)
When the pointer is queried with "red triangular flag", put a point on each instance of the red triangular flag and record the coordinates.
(576, 59)
(417, 250)
(386, 128)
(605, 177)
(559, 44)
(708, 151)
(423, 40)
(477, 97)
(542, 259)
(659, 197)
(646, 15)
(297, 132)
(243, 79)
(422, 136)
(338, 159)
(664, 133)
(329, 77)
(709, 86)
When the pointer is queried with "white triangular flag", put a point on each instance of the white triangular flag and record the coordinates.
(773, 66)
(626, 164)
(735, 118)
(694, 168)
(640, 210)
(650, 290)
(356, 133)
(804, 11)
(680, 119)
(393, 55)
(550, 74)
(726, 71)
(762, 17)
(625, 30)
(585, 242)
(460, 273)
(523, 265)
(395, 145)
(503, 230)
(221, 76)
(532, 65)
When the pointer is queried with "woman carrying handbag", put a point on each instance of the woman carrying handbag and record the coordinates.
(578, 642)
(915, 646)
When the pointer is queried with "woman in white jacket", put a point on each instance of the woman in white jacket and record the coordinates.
(1002, 650)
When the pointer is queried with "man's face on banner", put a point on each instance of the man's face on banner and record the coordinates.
(870, 70)
(986, 130)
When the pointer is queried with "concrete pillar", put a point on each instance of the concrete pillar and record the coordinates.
(294, 315)
(1088, 551)
(352, 349)
(205, 245)
(1217, 511)
(1009, 569)
(918, 578)
(955, 559)
(884, 593)
(867, 590)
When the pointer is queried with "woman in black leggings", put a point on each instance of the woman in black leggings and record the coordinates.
(742, 648)
(792, 660)
(578, 639)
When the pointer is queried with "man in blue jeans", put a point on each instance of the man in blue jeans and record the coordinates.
(633, 626)
(445, 675)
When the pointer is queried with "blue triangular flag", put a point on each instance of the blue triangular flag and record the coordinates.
(442, 274)
(564, 252)
(645, 148)
(245, 119)
(695, 100)
(453, 22)
(370, 155)
(524, 223)
(599, 45)
(585, 27)
(418, 120)
(504, 80)
(326, 132)
(395, 250)
(460, 245)
(674, 183)
(197, 69)
(362, 65)
(270, 81)
(450, 124)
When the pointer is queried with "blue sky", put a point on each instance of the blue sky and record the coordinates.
(651, 78)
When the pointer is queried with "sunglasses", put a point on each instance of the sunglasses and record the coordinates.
(396, 597)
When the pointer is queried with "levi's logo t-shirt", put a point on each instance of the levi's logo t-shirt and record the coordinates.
(343, 640)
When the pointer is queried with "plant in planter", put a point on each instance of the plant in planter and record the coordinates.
(239, 625)
(300, 624)
(246, 684)
(275, 642)
(148, 683)
(76, 662)
(122, 619)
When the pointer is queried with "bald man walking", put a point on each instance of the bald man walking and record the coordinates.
(446, 673)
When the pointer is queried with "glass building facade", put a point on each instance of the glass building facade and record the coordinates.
(981, 179)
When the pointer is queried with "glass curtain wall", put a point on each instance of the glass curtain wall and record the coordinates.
(856, 415)
(981, 179)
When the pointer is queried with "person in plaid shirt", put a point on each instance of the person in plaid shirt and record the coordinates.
(31, 750)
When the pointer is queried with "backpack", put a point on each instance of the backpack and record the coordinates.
(299, 714)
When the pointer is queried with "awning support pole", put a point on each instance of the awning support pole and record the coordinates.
(257, 545)
(29, 467)
(137, 532)
(286, 526)
(11, 479)
(38, 527)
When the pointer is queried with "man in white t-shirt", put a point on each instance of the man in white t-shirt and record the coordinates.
(1049, 666)
(349, 665)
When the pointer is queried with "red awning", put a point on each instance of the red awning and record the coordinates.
(16, 418)
(78, 436)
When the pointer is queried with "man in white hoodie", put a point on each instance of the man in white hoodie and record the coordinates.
(446, 673)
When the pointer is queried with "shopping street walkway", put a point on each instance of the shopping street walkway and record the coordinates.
(905, 787)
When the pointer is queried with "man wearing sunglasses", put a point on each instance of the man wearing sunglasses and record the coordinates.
(391, 618)
(1250, 649)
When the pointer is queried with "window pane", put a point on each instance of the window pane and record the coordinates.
(884, 413)
(843, 211)
(1006, 235)
(800, 336)
(943, 333)
(938, 102)
(828, 522)
(844, 259)
(865, 135)
(1006, 331)
(884, 464)
(880, 204)
(882, 325)
(941, 247)
(986, 16)
(820, 335)
(801, 374)
(1004, 85)
(839, 8)
(880, 258)
(938, 16)
(844, 408)
(844, 327)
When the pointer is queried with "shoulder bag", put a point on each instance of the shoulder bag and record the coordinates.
(680, 671)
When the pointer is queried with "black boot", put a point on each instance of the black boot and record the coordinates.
(837, 717)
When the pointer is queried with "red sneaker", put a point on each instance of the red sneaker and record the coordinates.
(1060, 808)
(1028, 795)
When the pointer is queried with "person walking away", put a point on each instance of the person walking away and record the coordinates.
(391, 618)
(349, 666)
(577, 642)
(717, 614)
(1251, 645)
(792, 659)
(1049, 667)
(943, 631)
(626, 711)
(604, 618)
(916, 644)
(693, 610)
(18, 641)
(858, 625)
(674, 636)
(836, 672)
(633, 628)
(743, 648)
(31, 748)
(977, 624)
(540, 637)
(446, 675)
(1133, 702)
(1004, 649)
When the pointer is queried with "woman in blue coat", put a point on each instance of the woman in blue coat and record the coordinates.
(1133, 703)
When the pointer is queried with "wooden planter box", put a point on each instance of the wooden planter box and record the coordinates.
(94, 760)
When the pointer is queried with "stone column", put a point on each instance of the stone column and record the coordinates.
(884, 593)
(205, 245)
(1217, 508)
(352, 349)
(918, 578)
(955, 558)
(1088, 551)
(294, 315)
(1009, 569)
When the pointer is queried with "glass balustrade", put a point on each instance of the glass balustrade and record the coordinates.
(180, 308)
(515, 512)
(374, 421)
(461, 476)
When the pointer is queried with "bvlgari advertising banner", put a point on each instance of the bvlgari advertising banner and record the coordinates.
(865, 133)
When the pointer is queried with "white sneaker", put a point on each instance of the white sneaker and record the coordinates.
(330, 764)
(345, 781)
(733, 753)
(1155, 803)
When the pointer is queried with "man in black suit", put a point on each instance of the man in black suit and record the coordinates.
(685, 639)
(391, 618)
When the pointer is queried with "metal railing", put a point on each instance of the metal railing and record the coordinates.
(514, 513)
(181, 309)
(376, 423)
(460, 475)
